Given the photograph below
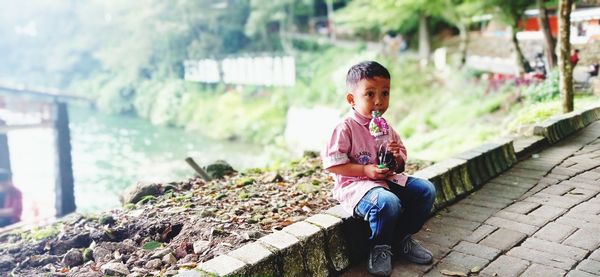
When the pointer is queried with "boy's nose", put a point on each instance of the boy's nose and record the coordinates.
(378, 101)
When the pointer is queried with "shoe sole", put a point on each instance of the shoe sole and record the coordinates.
(417, 260)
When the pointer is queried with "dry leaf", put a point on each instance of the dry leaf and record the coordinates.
(453, 273)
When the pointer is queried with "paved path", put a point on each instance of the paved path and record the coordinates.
(539, 218)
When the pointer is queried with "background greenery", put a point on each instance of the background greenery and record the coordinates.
(128, 56)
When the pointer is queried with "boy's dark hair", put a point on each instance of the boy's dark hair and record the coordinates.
(5, 175)
(365, 70)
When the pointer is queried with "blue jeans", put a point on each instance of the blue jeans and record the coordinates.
(396, 212)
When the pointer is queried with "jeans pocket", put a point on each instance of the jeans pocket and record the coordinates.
(365, 205)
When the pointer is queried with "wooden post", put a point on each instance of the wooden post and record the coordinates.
(197, 168)
(4, 153)
(65, 197)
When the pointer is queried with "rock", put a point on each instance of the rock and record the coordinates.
(140, 262)
(7, 262)
(107, 219)
(135, 193)
(254, 235)
(98, 235)
(131, 260)
(140, 270)
(201, 246)
(74, 257)
(219, 169)
(87, 274)
(102, 254)
(117, 234)
(42, 260)
(171, 272)
(160, 253)
(272, 177)
(169, 259)
(154, 264)
(62, 246)
(114, 269)
(88, 254)
(189, 258)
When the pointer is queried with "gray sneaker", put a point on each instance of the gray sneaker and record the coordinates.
(414, 252)
(380, 260)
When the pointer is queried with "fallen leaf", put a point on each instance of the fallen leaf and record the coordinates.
(151, 245)
(453, 273)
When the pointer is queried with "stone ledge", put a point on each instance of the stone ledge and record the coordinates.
(320, 245)
(559, 127)
(525, 146)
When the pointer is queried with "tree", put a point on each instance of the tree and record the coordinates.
(548, 39)
(510, 12)
(366, 16)
(459, 13)
(266, 16)
(565, 67)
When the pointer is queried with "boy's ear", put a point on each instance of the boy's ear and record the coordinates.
(350, 98)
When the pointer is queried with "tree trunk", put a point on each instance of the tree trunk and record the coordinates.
(330, 20)
(518, 53)
(464, 41)
(565, 82)
(548, 39)
(424, 44)
(284, 28)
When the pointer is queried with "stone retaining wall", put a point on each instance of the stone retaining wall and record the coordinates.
(328, 243)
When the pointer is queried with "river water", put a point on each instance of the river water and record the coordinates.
(110, 153)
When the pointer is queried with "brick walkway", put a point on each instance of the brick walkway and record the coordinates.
(539, 218)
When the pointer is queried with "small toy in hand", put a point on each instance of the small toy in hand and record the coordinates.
(380, 130)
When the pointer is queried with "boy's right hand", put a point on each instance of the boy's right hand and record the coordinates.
(373, 172)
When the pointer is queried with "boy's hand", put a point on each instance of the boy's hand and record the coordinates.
(375, 173)
(394, 147)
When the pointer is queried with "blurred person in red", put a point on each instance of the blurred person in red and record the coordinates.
(10, 200)
(575, 57)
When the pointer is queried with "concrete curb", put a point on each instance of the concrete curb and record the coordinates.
(327, 243)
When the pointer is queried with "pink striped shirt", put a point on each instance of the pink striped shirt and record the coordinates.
(351, 142)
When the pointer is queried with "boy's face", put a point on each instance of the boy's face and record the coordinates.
(370, 95)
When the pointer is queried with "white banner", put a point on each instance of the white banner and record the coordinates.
(264, 71)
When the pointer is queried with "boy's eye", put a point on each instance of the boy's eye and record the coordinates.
(386, 93)
(370, 93)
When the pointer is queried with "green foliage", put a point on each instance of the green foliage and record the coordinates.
(544, 91)
(147, 199)
(509, 11)
(43, 232)
(151, 245)
(534, 112)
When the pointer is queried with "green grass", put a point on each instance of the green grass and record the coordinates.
(40, 233)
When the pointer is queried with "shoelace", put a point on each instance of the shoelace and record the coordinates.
(383, 254)
(408, 245)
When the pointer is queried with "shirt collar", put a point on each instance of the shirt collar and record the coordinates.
(361, 119)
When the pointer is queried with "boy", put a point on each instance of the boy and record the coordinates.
(395, 205)
(10, 200)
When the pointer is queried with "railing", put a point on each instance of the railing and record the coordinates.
(41, 93)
